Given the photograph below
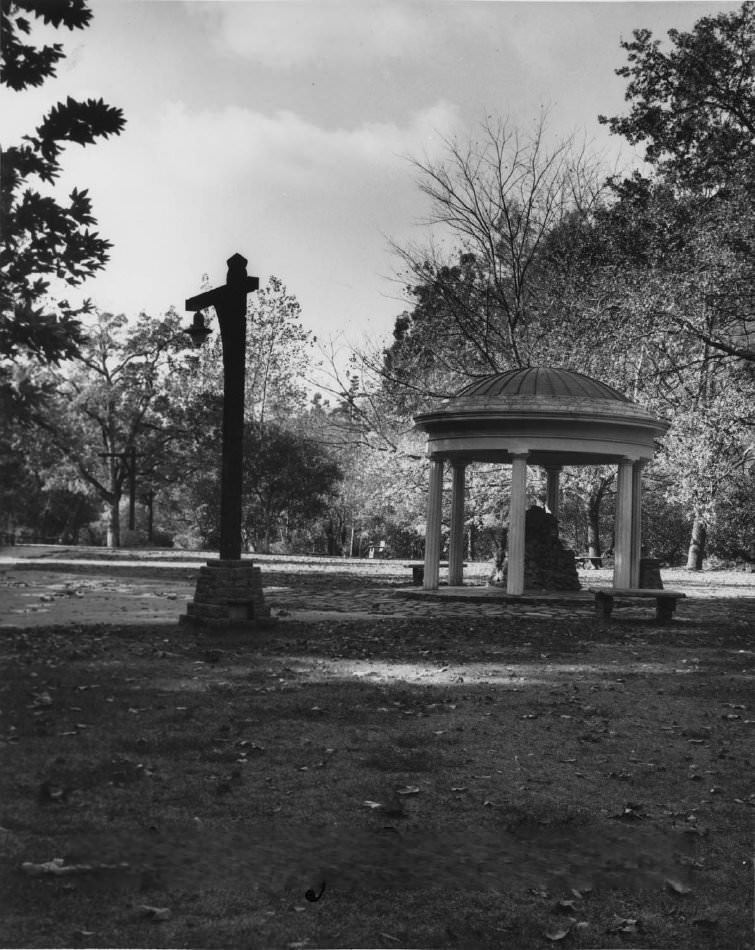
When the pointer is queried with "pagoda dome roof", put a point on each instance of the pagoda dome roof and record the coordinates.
(543, 381)
(556, 416)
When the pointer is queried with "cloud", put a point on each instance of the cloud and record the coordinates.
(285, 35)
(208, 146)
(182, 191)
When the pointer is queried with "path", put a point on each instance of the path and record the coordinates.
(43, 587)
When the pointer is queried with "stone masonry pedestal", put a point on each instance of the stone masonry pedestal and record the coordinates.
(228, 594)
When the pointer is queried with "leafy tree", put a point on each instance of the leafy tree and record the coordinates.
(31, 498)
(44, 238)
(693, 106)
(684, 238)
(437, 342)
(289, 481)
(708, 452)
(115, 397)
(383, 491)
(279, 351)
(278, 356)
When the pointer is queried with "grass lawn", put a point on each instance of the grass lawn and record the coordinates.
(436, 782)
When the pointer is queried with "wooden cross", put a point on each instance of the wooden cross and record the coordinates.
(229, 302)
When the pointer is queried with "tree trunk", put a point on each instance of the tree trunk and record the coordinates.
(266, 537)
(696, 551)
(330, 536)
(114, 530)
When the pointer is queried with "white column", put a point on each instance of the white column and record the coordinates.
(517, 512)
(636, 522)
(432, 529)
(456, 539)
(551, 492)
(622, 571)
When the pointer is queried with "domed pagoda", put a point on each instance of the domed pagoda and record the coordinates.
(537, 416)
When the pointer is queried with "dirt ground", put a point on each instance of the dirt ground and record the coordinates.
(371, 771)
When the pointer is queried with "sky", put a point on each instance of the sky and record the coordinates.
(285, 130)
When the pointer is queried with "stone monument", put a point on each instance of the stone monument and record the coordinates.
(548, 565)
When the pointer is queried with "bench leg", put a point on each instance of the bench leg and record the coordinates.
(664, 611)
(603, 605)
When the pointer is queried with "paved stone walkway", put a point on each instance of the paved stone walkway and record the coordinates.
(141, 593)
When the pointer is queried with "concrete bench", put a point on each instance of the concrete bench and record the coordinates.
(665, 600)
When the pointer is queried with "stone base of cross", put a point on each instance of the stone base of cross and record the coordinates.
(228, 595)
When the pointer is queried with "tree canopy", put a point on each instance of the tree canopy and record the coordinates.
(45, 238)
(693, 106)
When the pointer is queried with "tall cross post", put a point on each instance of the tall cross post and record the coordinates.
(229, 302)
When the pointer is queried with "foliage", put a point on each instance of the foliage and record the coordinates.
(687, 239)
(278, 360)
(498, 197)
(113, 397)
(32, 503)
(436, 343)
(693, 106)
(43, 238)
(278, 356)
(289, 482)
(732, 535)
(383, 491)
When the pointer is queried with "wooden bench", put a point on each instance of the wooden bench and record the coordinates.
(665, 600)
(588, 559)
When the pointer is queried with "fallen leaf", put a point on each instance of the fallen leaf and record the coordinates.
(677, 887)
(631, 812)
(555, 935)
(624, 925)
(408, 790)
(52, 793)
(156, 913)
(57, 866)
(370, 804)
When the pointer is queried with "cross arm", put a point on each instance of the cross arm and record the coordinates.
(213, 298)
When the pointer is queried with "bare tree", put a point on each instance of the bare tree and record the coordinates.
(499, 195)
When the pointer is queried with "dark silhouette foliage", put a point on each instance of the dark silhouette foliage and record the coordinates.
(45, 238)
